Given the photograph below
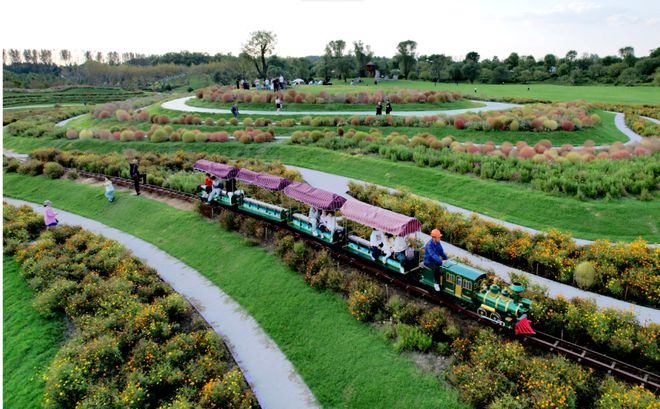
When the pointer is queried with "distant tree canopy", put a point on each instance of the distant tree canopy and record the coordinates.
(43, 68)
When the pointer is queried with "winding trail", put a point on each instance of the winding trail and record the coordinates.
(274, 380)
(180, 105)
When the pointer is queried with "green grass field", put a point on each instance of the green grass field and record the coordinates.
(334, 107)
(88, 95)
(30, 341)
(591, 93)
(346, 363)
(603, 133)
(624, 219)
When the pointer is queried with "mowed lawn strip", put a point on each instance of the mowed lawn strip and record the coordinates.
(30, 341)
(623, 219)
(344, 362)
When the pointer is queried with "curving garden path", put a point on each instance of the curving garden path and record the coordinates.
(180, 105)
(275, 382)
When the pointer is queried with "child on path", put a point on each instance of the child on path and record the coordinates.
(234, 110)
(109, 190)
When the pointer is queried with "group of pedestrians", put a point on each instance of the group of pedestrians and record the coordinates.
(388, 107)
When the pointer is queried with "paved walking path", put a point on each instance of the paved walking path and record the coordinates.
(271, 376)
(339, 185)
(180, 105)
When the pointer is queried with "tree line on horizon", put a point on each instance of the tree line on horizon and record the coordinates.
(338, 61)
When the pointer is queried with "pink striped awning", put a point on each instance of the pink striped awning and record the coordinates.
(264, 180)
(381, 219)
(321, 199)
(218, 169)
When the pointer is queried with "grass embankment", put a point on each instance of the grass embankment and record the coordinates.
(344, 362)
(257, 106)
(603, 133)
(617, 220)
(30, 341)
(87, 95)
(551, 92)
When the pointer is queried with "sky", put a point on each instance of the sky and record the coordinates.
(303, 27)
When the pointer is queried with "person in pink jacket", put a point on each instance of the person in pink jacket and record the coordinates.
(49, 215)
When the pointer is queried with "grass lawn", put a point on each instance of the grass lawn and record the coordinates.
(334, 107)
(624, 219)
(346, 363)
(30, 341)
(603, 133)
(591, 93)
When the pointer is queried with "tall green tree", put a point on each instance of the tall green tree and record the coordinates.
(406, 56)
(628, 55)
(472, 56)
(260, 45)
(363, 55)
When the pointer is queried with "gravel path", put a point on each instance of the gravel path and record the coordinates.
(180, 105)
(271, 376)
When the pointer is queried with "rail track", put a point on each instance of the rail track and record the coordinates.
(575, 352)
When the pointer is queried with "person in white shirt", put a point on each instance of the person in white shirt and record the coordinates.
(399, 247)
(328, 222)
(376, 241)
(314, 219)
(388, 245)
(281, 81)
(109, 190)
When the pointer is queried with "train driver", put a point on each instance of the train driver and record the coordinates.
(434, 255)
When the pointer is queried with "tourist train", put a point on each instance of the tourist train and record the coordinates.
(328, 219)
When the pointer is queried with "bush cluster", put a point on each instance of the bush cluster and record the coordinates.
(641, 126)
(406, 96)
(136, 343)
(41, 123)
(628, 271)
(20, 225)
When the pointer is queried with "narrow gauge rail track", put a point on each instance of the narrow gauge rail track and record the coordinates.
(545, 341)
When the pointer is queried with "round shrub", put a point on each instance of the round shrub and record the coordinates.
(53, 170)
(12, 165)
(86, 134)
(188, 137)
(127, 135)
(526, 152)
(201, 137)
(233, 121)
(122, 115)
(159, 135)
(248, 121)
(567, 125)
(71, 134)
(31, 167)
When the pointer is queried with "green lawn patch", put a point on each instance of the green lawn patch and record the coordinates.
(30, 341)
(344, 362)
(616, 220)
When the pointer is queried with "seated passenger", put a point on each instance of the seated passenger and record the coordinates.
(376, 240)
(328, 222)
(388, 245)
(314, 219)
(399, 247)
(216, 188)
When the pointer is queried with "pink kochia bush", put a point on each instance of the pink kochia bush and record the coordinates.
(229, 94)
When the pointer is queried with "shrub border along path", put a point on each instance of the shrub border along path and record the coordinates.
(271, 376)
(344, 362)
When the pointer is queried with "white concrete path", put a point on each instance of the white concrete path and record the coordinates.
(180, 105)
(271, 376)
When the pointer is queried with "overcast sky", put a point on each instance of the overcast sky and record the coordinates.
(303, 27)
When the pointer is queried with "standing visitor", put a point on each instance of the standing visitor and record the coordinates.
(234, 110)
(50, 216)
(281, 81)
(109, 190)
(379, 108)
(388, 108)
(278, 103)
(137, 176)
(434, 255)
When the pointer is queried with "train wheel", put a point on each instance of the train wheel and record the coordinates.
(482, 313)
(495, 317)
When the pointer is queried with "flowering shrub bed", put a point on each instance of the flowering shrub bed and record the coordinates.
(641, 126)
(127, 110)
(625, 271)
(652, 111)
(40, 123)
(136, 343)
(21, 225)
(585, 173)
(405, 96)
(487, 369)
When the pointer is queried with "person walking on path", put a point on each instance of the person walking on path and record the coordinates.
(379, 108)
(136, 176)
(388, 108)
(109, 190)
(434, 255)
(278, 103)
(234, 110)
(50, 216)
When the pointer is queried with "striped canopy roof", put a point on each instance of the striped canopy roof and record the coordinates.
(381, 219)
(218, 169)
(321, 199)
(264, 180)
